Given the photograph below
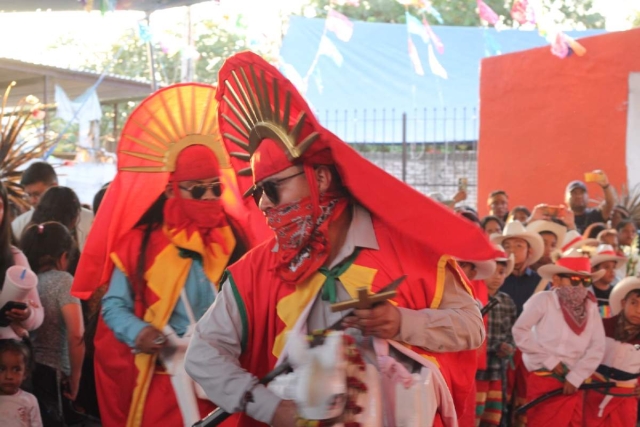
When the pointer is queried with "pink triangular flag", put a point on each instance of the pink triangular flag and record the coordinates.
(486, 13)
(340, 25)
(433, 37)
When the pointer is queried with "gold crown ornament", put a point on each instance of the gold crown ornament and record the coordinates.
(166, 123)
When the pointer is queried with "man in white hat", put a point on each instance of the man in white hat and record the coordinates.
(618, 406)
(500, 345)
(562, 341)
(527, 247)
(609, 261)
(552, 234)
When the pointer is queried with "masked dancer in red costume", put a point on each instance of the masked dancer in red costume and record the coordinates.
(170, 223)
(339, 224)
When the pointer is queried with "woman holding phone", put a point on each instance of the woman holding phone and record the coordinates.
(23, 316)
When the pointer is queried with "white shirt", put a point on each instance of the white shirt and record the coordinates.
(84, 225)
(545, 339)
(20, 410)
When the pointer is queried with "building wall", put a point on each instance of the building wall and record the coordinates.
(544, 121)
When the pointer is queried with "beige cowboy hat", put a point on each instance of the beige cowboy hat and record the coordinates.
(572, 262)
(574, 240)
(620, 291)
(541, 226)
(606, 253)
(514, 230)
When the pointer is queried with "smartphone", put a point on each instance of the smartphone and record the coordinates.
(462, 184)
(591, 177)
(554, 211)
(4, 320)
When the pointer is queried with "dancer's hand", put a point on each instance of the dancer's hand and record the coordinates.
(569, 388)
(382, 321)
(559, 370)
(150, 340)
(286, 414)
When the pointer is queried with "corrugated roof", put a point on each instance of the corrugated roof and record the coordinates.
(75, 5)
(39, 80)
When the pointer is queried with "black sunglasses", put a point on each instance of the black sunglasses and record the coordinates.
(270, 189)
(577, 280)
(199, 190)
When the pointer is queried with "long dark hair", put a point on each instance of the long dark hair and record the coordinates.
(59, 204)
(6, 237)
(44, 244)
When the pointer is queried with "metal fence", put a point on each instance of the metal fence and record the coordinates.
(429, 149)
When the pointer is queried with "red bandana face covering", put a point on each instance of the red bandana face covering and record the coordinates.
(204, 216)
(303, 244)
(573, 303)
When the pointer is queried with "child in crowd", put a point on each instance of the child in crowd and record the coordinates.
(17, 407)
(500, 346)
(58, 344)
(618, 406)
(562, 340)
(606, 259)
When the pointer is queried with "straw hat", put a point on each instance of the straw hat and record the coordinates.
(541, 226)
(572, 262)
(515, 229)
(606, 253)
(574, 240)
(620, 291)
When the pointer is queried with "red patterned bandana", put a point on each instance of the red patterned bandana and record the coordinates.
(303, 244)
(573, 303)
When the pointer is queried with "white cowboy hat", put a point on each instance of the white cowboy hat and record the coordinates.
(620, 291)
(510, 260)
(572, 262)
(515, 229)
(606, 253)
(574, 240)
(541, 226)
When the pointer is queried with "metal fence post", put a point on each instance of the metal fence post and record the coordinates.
(404, 147)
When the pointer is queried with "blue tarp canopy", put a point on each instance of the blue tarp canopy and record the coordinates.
(363, 96)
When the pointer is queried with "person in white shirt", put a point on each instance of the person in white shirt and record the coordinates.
(36, 180)
(562, 340)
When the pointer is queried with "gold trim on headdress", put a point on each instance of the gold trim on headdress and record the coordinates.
(13, 154)
(258, 117)
(169, 121)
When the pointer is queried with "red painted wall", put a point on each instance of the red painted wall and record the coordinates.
(544, 121)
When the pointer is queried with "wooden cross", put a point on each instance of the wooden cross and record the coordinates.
(364, 300)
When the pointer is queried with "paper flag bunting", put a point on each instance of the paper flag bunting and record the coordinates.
(491, 46)
(434, 12)
(144, 31)
(340, 25)
(519, 11)
(329, 49)
(415, 58)
(576, 47)
(560, 47)
(486, 13)
(414, 26)
(433, 37)
(436, 68)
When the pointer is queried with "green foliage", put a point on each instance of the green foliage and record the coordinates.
(575, 14)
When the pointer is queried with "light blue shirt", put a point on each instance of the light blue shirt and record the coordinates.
(117, 304)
